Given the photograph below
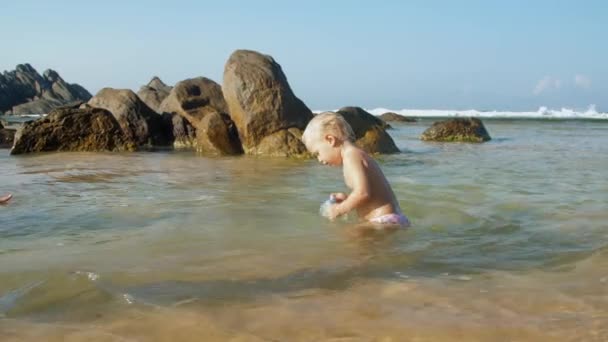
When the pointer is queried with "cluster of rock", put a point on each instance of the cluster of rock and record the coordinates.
(25, 91)
(254, 112)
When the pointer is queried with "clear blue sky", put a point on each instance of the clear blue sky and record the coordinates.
(509, 55)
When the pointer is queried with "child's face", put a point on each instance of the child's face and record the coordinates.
(327, 150)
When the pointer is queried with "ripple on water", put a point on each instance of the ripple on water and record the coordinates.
(510, 231)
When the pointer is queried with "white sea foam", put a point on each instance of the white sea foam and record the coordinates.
(92, 276)
(541, 113)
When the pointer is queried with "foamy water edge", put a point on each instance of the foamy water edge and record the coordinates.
(541, 113)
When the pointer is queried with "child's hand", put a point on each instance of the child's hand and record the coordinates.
(338, 196)
(332, 212)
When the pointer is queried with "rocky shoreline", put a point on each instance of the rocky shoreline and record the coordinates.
(253, 112)
(25, 91)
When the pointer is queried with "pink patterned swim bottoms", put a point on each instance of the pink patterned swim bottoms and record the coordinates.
(397, 219)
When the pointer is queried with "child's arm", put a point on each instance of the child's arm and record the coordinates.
(356, 177)
(6, 198)
(339, 196)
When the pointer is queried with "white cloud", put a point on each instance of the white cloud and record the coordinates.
(582, 81)
(547, 83)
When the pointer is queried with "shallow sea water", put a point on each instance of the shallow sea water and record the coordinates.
(509, 243)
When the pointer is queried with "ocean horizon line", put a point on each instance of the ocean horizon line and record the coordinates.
(541, 113)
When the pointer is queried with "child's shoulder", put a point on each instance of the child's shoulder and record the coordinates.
(354, 153)
(354, 150)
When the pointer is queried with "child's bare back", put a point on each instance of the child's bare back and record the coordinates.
(381, 200)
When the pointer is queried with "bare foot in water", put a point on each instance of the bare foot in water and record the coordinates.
(5, 198)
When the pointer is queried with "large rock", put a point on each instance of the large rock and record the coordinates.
(284, 143)
(201, 102)
(457, 130)
(370, 133)
(154, 93)
(69, 129)
(140, 123)
(194, 98)
(217, 135)
(25, 91)
(267, 114)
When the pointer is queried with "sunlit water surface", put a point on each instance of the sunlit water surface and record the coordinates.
(509, 242)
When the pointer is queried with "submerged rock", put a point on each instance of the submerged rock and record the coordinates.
(394, 117)
(69, 129)
(457, 130)
(370, 133)
(269, 117)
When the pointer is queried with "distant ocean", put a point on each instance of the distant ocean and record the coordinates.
(590, 113)
(541, 113)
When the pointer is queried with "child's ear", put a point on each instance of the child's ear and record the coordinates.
(331, 140)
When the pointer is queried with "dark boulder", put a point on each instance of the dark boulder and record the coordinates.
(180, 131)
(457, 130)
(370, 133)
(69, 129)
(7, 136)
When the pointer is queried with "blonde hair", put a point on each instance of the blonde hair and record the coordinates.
(329, 123)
